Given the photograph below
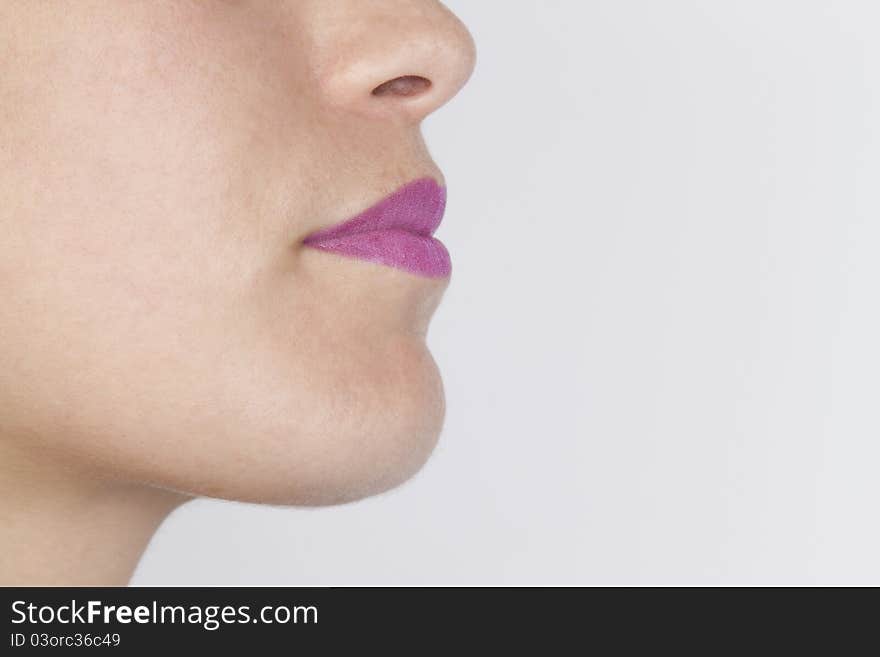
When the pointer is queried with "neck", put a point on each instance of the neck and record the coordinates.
(62, 527)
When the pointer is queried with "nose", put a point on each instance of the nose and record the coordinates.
(397, 59)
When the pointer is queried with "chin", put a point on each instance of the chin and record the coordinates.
(350, 446)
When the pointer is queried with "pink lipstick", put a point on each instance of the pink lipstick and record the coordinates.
(397, 231)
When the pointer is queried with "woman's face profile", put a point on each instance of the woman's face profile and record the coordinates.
(164, 319)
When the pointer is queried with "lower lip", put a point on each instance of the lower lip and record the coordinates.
(417, 254)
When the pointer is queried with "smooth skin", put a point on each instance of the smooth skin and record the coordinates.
(164, 334)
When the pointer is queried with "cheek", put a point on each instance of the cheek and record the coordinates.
(142, 124)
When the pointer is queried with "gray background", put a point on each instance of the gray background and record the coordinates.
(660, 345)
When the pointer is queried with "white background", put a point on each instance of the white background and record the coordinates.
(660, 345)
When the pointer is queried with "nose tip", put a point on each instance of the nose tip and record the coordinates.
(397, 59)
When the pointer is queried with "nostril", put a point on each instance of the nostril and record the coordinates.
(406, 85)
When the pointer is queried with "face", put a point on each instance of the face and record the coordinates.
(164, 319)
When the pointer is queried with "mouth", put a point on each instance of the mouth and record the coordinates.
(395, 232)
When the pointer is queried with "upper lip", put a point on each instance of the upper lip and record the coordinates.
(415, 207)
